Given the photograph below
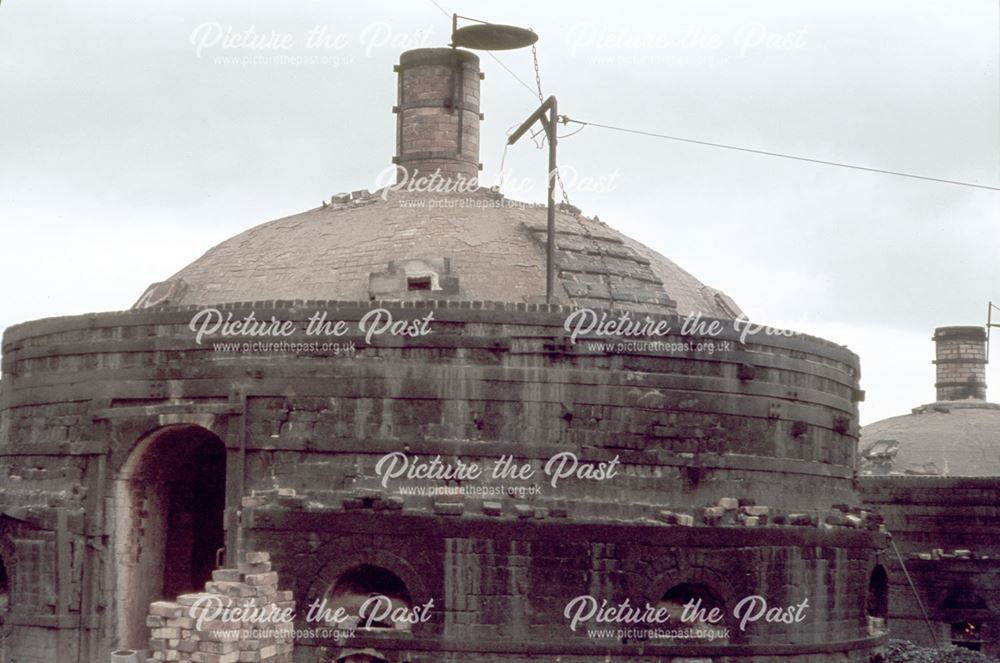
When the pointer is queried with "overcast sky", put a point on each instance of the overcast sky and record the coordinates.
(131, 142)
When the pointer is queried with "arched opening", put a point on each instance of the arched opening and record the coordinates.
(5, 605)
(170, 498)
(4, 592)
(966, 611)
(371, 594)
(963, 599)
(698, 609)
(877, 601)
(360, 656)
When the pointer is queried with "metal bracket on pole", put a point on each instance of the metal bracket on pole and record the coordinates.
(549, 122)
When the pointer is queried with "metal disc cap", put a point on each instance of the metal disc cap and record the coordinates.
(492, 37)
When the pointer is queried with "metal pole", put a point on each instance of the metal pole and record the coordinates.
(550, 123)
(241, 478)
(550, 249)
(913, 589)
(989, 328)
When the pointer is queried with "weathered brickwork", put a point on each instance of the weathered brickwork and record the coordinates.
(947, 530)
(136, 459)
(490, 242)
(506, 582)
(764, 432)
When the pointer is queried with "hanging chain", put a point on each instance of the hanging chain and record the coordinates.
(541, 99)
(538, 75)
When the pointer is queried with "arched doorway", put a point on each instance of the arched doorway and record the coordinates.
(170, 497)
(877, 601)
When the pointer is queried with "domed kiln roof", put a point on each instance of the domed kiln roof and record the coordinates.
(955, 438)
(479, 246)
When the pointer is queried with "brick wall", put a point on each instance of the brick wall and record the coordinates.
(947, 530)
(772, 421)
(503, 584)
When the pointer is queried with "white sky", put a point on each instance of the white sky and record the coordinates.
(125, 153)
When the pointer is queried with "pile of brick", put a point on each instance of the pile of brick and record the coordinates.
(732, 511)
(727, 511)
(939, 553)
(854, 517)
(177, 635)
(744, 512)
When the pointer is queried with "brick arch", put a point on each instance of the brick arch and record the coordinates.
(125, 458)
(340, 562)
(877, 597)
(169, 489)
(964, 597)
(714, 582)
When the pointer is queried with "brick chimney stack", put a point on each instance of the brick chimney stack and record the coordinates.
(437, 116)
(961, 363)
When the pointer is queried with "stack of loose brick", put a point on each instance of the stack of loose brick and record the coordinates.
(175, 635)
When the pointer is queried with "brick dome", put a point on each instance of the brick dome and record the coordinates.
(412, 242)
(957, 435)
(402, 246)
(951, 438)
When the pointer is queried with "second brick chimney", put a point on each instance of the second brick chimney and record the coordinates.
(961, 363)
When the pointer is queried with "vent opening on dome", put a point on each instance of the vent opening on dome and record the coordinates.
(415, 278)
(419, 283)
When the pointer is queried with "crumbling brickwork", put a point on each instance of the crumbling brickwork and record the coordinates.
(764, 432)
